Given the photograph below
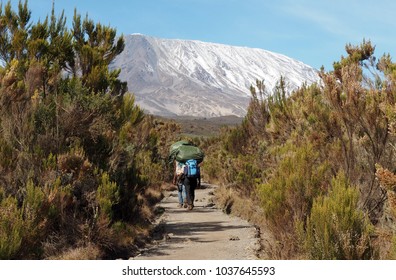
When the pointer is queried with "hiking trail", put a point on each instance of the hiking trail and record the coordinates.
(205, 233)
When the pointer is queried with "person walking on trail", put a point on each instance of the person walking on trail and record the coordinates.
(178, 180)
(186, 152)
(192, 180)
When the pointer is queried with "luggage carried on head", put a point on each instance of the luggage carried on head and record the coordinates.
(183, 151)
(187, 152)
(174, 149)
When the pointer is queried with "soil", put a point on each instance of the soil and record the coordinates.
(204, 233)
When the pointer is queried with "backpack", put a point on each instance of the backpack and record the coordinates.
(191, 169)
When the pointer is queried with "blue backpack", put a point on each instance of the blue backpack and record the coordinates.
(192, 169)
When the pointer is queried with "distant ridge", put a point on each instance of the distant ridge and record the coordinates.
(183, 77)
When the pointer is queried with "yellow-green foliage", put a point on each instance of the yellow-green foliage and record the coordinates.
(297, 180)
(49, 163)
(148, 171)
(107, 196)
(29, 224)
(292, 144)
(75, 150)
(129, 112)
(336, 228)
(32, 205)
(11, 227)
(35, 216)
(234, 140)
(214, 157)
(247, 171)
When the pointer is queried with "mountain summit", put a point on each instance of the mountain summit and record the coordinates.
(182, 77)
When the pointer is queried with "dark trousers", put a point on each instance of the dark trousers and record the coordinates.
(191, 185)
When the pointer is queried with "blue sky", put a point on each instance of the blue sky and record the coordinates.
(312, 31)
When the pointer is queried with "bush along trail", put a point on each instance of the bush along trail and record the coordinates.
(82, 167)
(204, 233)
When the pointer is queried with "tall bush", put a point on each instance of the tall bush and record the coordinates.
(288, 194)
(11, 228)
(107, 196)
(336, 227)
(76, 152)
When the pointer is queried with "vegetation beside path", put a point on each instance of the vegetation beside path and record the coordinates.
(319, 161)
(82, 167)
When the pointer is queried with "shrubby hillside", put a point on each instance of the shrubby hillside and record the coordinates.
(80, 164)
(318, 165)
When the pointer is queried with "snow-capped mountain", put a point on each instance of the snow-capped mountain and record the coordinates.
(181, 77)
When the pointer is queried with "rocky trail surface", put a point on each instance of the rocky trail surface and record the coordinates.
(205, 233)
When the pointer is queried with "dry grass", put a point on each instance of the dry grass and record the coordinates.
(168, 187)
(383, 241)
(153, 195)
(88, 252)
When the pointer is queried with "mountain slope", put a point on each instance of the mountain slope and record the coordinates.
(181, 77)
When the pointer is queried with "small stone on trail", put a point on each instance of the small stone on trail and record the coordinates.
(234, 238)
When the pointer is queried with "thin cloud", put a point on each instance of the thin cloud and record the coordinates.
(324, 20)
(345, 19)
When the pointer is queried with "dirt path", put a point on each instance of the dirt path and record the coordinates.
(205, 233)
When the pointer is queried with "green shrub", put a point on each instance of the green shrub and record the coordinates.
(50, 162)
(129, 112)
(107, 196)
(11, 228)
(35, 218)
(44, 117)
(6, 155)
(336, 228)
(299, 177)
(235, 140)
(75, 150)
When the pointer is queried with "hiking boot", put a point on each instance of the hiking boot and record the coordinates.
(185, 205)
(190, 207)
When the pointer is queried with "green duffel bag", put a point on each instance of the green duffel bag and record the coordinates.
(186, 152)
(177, 144)
(174, 149)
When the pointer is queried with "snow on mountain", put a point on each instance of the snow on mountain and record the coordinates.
(181, 77)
